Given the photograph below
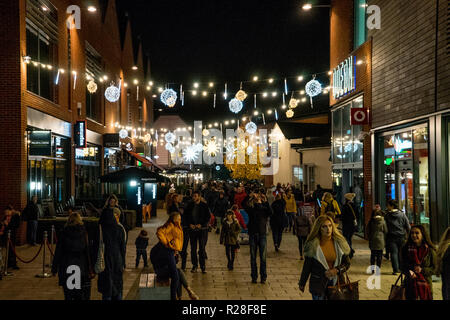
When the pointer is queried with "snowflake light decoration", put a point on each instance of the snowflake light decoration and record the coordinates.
(251, 127)
(289, 113)
(198, 147)
(235, 105)
(190, 154)
(170, 137)
(205, 132)
(231, 151)
(92, 86)
(112, 93)
(211, 148)
(169, 97)
(293, 103)
(313, 88)
(241, 95)
(123, 134)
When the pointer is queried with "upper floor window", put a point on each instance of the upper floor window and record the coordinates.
(94, 70)
(42, 43)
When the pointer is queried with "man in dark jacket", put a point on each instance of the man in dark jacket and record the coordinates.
(220, 208)
(398, 228)
(259, 211)
(197, 216)
(31, 214)
(187, 199)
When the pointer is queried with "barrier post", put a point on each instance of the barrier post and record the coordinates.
(44, 274)
(5, 272)
(51, 246)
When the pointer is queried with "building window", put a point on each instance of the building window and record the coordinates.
(94, 70)
(42, 43)
(359, 23)
(298, 175)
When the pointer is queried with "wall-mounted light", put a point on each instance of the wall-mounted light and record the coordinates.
(92, 9)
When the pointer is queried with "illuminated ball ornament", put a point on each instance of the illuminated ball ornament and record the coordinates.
(205, 132)
(112, 93)
(235, 105)
(170, 147)
(92, 86)
(169, 97)
(241, 95)
(249, 150)
(251, 127)
(293, 103)
(218, 168)
(289, 113)
(123, 134)
(170, 137)
(313, 88)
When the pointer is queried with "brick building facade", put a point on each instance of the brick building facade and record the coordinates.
(37, 95)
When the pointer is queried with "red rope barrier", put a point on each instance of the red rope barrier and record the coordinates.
(50, 249)
(21, 260)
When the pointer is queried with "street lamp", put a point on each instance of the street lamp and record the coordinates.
(309, 6)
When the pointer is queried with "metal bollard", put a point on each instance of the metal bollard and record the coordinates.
(44, 274)
(51, 246)
(5, 272)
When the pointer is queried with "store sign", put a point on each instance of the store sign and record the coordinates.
(359, 116)
(111, 140)
(344, 78)
(41, 143)
(80, 134)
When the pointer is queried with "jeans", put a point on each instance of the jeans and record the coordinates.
(170, 271)
(277, 234)
(33, 224)
(376, 256)
(395, 244)
(258, 241)
(323, 296)
(182, 282)
(301, 243)
(348, 236)
(143, 253)
(183, 252)
(230, 253)
(200, 238)
(290, 216)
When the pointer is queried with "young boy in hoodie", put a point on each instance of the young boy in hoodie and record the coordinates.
(141, 248)
(377, 231)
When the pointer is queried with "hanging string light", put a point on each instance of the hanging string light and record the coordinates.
(225, 93)
(285, 86)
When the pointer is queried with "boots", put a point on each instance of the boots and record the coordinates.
(192, 294)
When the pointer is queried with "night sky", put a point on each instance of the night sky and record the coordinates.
(230, 41)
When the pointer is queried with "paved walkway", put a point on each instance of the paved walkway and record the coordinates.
(283, 269)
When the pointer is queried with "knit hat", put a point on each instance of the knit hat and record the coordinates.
(349, 196)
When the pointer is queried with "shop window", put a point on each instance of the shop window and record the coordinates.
(347, 141)
(359, 23)
(337, 141)
(298, 175)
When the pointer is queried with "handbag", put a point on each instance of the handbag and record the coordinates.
(344, 291)
(398, 292)
(100, 263)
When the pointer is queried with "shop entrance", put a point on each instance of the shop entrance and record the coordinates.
(47, 178)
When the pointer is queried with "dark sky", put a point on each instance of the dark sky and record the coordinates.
(229, 41)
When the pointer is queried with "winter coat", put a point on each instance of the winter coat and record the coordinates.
(330, 206)
(397, 224)
(377, 231)
(171, 236)
(257, 218)
(348, 218)
(31, 211)
(211, 199)
(315, 265)
(204, 216)
(278, 219)
(221, 206)
(110, 281)
(291, 205)
(238, 198)
(302, 225)
(229, 233)
(141, 243)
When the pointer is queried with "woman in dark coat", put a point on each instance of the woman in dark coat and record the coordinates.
(278, 220)
(377, 230)
(349, 220)
(110, 281)
(229, 236)
(72, 249)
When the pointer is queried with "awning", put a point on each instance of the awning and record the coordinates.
(131, 173)
(143, 160)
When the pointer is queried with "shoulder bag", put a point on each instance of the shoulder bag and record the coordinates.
(100, 263)
(398, 292)
(344, 291)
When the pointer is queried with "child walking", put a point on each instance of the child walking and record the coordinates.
(229, 236)
(141, 248)
(377, 231)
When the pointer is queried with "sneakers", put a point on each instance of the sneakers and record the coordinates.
(254, 281)
(194, 269)
(276, 248)
(203, 271)
(263, 281)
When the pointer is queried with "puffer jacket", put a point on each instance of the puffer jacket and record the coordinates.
(171, 236)
(315, 265)
(229, 233)
(377, 231)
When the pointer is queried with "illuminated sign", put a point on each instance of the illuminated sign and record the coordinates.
(40, 143)
(402, 145)
(344, 78)
(80, 134)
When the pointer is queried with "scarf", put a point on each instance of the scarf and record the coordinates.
(419, 286)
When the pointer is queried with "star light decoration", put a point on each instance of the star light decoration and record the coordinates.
(112, 93)
(211, 148)
(190, 154)
(293, 103)
(313, 88)
(92, 86)
(289, 113)
(235, 105)
(241, 95)
(251, 127)
(169, 97)
(231, 151)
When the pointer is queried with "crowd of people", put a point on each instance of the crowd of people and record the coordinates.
(324, 240)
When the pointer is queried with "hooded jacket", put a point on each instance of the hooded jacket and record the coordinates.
(316, 265)
(229, 233)
(397, 224)
(377, 231)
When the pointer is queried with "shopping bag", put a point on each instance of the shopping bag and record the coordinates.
(398, 292)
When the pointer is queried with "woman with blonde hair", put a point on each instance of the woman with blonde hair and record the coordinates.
(443, 263)
(326, 258)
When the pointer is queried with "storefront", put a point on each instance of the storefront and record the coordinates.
(87, 172)
(347, 157)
